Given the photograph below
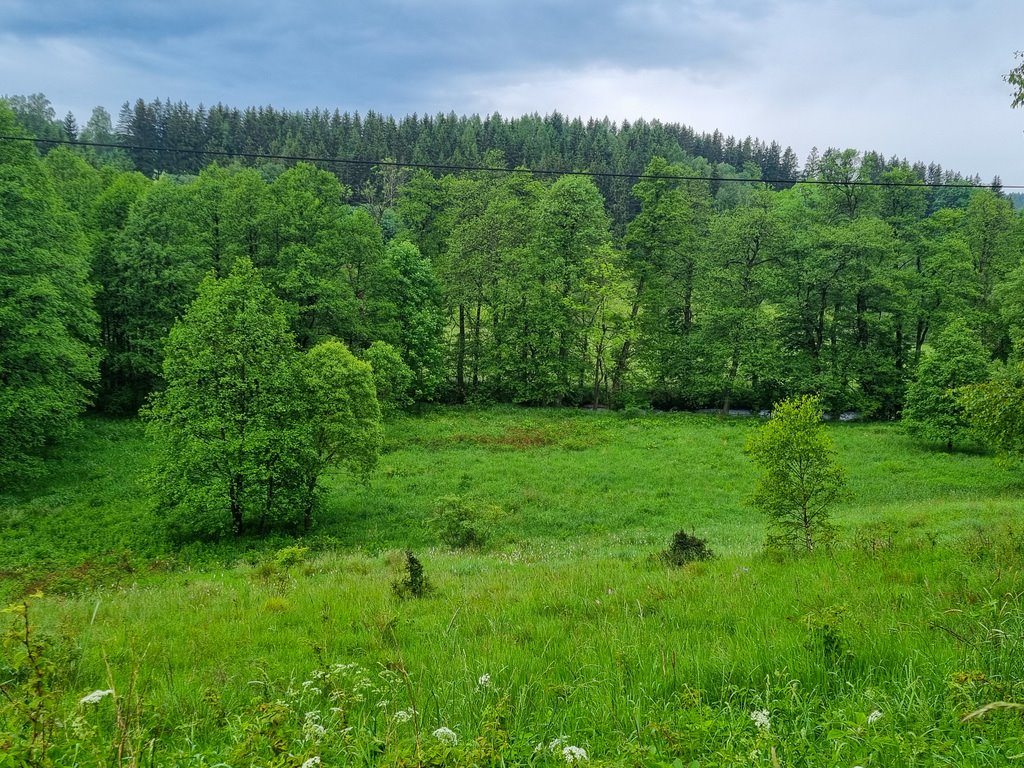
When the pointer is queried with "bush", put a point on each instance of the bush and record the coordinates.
(414, 583)
(685, 548)
(459, 524)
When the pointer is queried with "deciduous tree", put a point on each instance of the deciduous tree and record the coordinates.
(247, 425)
(995, 410)
(800, 477)
(933, 410)
(48, 328)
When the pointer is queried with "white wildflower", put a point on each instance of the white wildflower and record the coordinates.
(403, 716)
(95, 697)
(761, 719)
(311, 762)
(556, 744)
(574, 754)
(446, 736)
(484, 680)
(311, 727)
(875, 716)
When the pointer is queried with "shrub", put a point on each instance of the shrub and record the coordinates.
(685, 548)
(414, 583)
(459, 524)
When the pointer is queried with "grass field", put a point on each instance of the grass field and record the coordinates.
(564, 630)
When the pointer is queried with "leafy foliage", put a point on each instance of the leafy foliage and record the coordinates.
(29, 717)
(460, 523)
(247, 424)
(1015, 77)
(678, 291)
(686, 548)
(414, 583)
(391, 376)
(48, 327)
(995, 410)
(800, 478)
(933, 410)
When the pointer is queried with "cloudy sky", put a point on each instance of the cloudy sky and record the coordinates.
(914, 78)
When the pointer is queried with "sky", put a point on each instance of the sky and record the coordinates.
(920, 79)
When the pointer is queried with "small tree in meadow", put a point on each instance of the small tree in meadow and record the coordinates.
(801, 479)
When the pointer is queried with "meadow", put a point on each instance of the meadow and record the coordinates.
(562, 637)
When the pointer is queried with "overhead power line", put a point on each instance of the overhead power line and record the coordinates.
(487, 169)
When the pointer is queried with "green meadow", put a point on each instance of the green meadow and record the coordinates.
(562, 637)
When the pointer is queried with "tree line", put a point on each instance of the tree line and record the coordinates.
(502, 287)
(171, 136)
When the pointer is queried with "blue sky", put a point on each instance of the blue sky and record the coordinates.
(915, 78)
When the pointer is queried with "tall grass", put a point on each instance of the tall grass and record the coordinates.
(566, 626)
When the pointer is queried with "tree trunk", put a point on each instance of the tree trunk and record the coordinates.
(460, 357)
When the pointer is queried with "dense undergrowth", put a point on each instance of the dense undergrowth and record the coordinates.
(563, 627)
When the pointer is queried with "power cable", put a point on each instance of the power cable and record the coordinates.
(487, 169)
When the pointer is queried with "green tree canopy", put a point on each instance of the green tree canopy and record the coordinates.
(391, 376)
(48, 361)
(995, 410)
(246, 423)
(933, 410)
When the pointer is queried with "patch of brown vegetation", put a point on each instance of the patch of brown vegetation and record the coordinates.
(515, 438)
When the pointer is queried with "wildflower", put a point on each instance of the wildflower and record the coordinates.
(311, 762)
(761, 719)
(484, 680)
(446, 736)
(311, 727)
(95, 697)
(574, 754)
(556, 743)
(403, 716)
(875, 716)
